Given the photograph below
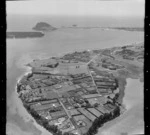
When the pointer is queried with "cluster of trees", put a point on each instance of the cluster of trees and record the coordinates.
(92, 130)
(101, 120)
(43, 122)
(53, 65)
(18, 88)
(127, 53)
(115, 98)
(40, 99)
(117, 84)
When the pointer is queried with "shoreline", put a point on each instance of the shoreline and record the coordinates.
(29, 70)
(129, 29)
(29, 118)
(123, 93)
(81, 50)
(128, 85)
(34, 121)
(112, 127)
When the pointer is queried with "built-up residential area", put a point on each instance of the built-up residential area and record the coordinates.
(79, 92)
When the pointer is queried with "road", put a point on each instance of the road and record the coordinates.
(93, 81)
(62, 103)
(69, 116)
(90, 72)
(92, 59)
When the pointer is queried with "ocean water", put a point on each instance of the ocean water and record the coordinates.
(26, 22)
(22, 51)
(132, 120)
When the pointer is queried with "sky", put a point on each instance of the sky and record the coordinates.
(78, 7)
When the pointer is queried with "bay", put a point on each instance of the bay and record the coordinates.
(22, 51)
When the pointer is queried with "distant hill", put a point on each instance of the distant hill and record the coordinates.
(42, 26)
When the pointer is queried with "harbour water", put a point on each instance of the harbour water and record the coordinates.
(132, 120)
(22, 51)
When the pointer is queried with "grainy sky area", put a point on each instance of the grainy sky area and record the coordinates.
(123, 8)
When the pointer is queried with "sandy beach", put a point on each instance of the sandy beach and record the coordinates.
(22, 111)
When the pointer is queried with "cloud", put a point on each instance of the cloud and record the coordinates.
(78, 7)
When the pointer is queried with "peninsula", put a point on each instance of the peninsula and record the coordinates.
(20, 34)
(131, 29)
(139, 29)
(42, 26)
(77, 93)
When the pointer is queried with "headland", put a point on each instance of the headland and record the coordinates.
(79, 92)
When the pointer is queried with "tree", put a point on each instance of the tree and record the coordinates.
(115, 98)
(108, 102)
(96, 105)
(53, 128)
(117, 111)
(59, 132)
(66, 133)
(124, 47)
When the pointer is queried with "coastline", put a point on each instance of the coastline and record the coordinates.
(29, 70)
(81, 50)
(24, 74)
(29, 116)
(124, 89)
(124, 123)
(131, 29)
(130, 82)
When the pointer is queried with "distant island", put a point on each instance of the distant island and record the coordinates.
(21, 34)
(42, 26)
